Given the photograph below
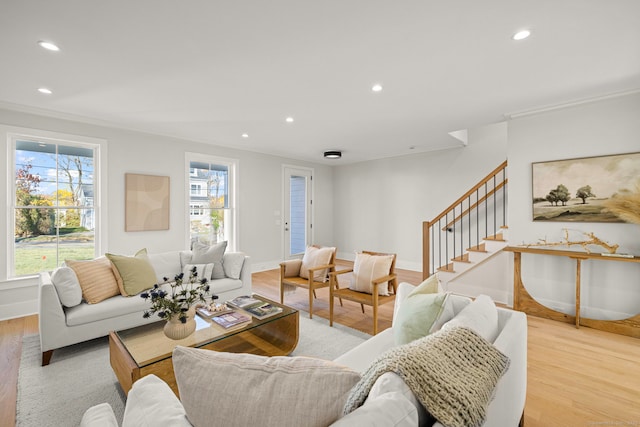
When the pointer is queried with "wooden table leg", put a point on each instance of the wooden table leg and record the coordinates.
(578, 265)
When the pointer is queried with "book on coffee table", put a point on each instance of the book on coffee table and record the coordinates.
(245, 301)
(230, 319)
(264, 310)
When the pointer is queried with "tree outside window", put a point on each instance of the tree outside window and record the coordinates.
(54, 214)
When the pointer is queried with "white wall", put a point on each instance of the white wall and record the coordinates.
(611, 126)
(380, 205)
(260, 195)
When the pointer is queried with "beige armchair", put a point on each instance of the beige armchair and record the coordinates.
(311, 272)
(373, 283)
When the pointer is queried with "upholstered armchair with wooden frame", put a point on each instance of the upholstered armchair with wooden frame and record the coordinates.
(364, 272)
(311, 272)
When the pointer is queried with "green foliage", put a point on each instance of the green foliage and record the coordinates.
(559, 195)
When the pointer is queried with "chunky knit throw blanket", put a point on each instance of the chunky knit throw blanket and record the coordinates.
(452, 373)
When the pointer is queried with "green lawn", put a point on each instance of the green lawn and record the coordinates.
(39, 253)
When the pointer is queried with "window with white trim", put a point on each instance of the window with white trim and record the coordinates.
(54, 203)
(212, 211)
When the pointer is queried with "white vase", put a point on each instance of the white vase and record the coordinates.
(176, 330)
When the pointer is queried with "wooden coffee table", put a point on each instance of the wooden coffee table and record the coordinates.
(145, 350)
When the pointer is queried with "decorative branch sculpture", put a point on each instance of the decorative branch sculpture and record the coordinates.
(584, 243)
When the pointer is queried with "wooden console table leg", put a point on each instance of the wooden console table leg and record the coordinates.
(517, 279)
(578, 265)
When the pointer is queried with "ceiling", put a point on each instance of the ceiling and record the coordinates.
(210, 70)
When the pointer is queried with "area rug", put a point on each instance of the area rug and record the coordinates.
(80, 375)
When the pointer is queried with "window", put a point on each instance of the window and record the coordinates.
(54, 198)
(212, 213)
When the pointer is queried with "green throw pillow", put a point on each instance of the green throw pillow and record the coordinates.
(417, 315)
(133, 274)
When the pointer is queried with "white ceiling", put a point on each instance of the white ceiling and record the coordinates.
(210, 70)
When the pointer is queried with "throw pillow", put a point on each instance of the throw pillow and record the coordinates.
(367, 268)
(96, 279)
(278, 391)
(65, 281)
(203, 270)
(481, 315)
(149, 401)
(315, 257)
(391, 382)
(135, 274)
(166, 265)
(417, 317)
(232, 263)
(205, 254)
(431, 285)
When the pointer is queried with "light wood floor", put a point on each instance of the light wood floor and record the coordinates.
(576, 377)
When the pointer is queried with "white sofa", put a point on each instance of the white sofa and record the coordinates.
(61, 326)
(151, 401)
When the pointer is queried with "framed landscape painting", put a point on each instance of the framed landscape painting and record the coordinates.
(574, 190)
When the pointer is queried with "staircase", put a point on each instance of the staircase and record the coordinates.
(470, 232)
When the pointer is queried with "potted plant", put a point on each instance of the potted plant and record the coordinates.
(177, 306)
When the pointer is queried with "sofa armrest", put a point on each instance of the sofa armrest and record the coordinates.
(101, 415)
(151, 402)
(245, 275)
(51, 316)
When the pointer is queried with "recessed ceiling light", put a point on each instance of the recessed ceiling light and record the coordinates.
(289, 119)
(48, 45)
(245, 135)
(45, 91)
(376, 87)
(521, 35)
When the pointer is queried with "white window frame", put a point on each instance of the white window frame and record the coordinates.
(99, 146)
(233, 165)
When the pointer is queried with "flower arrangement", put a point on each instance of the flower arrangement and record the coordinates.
(180, 299)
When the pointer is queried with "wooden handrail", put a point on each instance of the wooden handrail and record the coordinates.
(476, 204)
(470, 192)
(426, 225)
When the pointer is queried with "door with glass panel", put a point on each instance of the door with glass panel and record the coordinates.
(297, 211)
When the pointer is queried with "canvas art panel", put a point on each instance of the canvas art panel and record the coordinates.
(574, 190)
(146, 202)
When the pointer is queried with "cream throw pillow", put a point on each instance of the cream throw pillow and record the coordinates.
(367, 268)
(96, 279)
(65, 281)
(203, 270)
(235, 389)
(315, 257)
(481, 315)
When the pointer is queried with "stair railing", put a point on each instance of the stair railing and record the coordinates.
(477, 215)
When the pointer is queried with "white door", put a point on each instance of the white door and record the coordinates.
(297, 210)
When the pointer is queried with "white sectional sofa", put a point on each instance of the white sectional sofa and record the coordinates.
(151, 401)
(62, 325)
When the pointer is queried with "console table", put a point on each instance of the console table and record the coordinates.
(523, 301)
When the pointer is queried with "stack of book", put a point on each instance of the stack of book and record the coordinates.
(256, 307)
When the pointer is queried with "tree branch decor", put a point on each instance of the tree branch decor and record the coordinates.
(593, 240)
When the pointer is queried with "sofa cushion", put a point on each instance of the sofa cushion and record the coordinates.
(135, 273)
(151, 402)
(165, 264)
(480, 315)
(67, 286)
(315, 257)
(360, 357)
(390, 409)
(110, 308)
(419, 314)
(205, 254)
(369, 267)
(224, 285)
(96, 279)
(232, 263)
(391, 382)
(292, 390)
